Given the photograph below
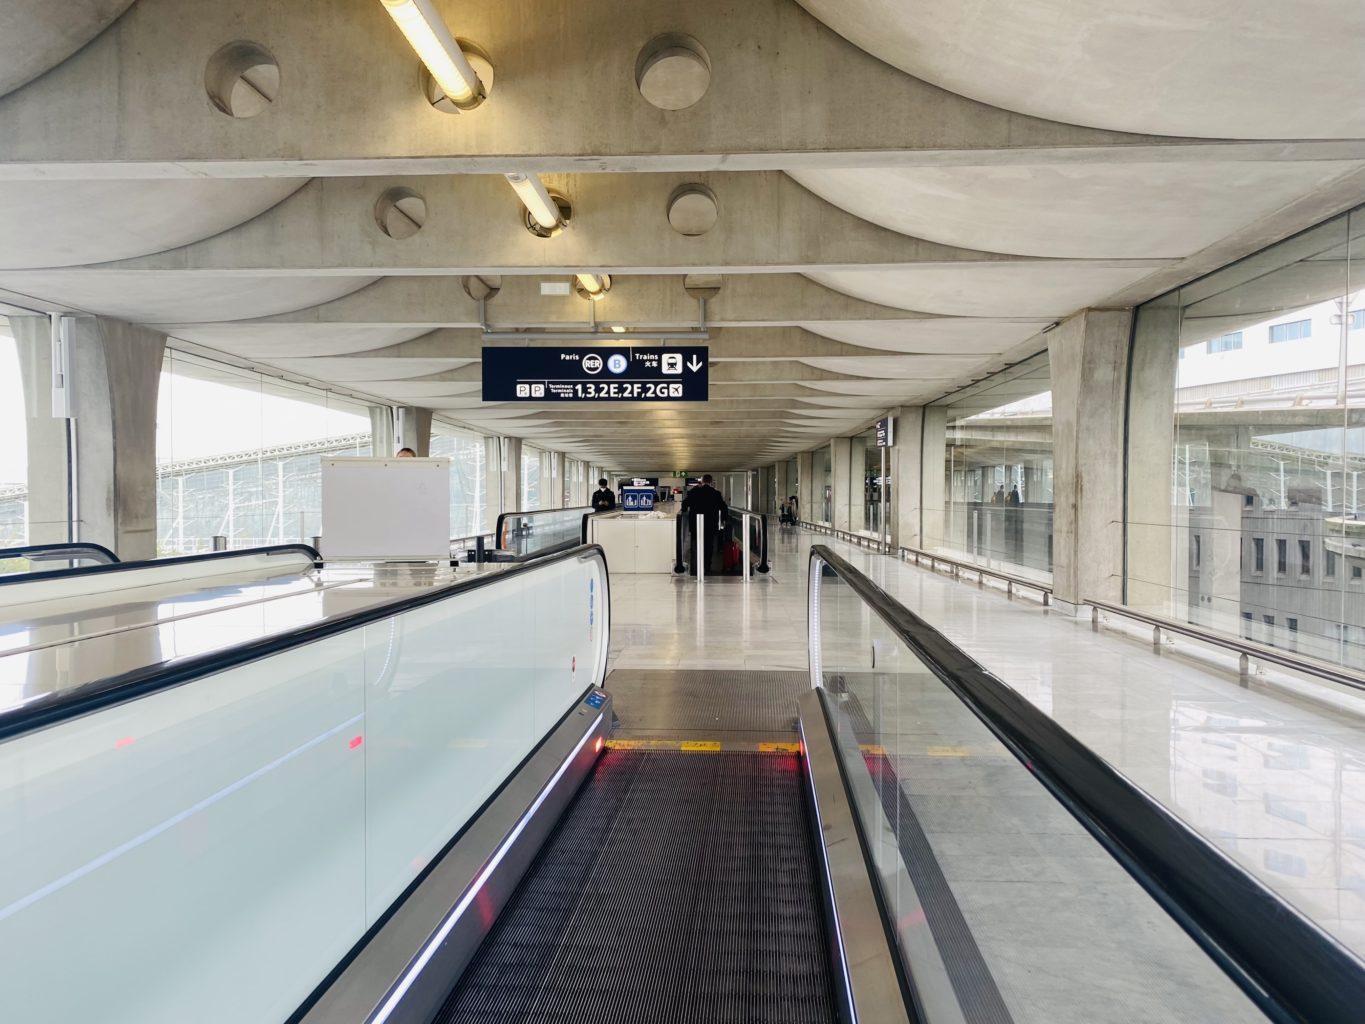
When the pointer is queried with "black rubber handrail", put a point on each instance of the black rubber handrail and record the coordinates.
(151, 563)
(55, 552)
(94, 696)
(1286, 964)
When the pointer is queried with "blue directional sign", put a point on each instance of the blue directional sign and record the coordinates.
(656, 374)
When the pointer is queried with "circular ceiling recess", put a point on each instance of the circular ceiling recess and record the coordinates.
(483, 67)
(242, 79)
(400, 213)
(673, 71)
(692, 209)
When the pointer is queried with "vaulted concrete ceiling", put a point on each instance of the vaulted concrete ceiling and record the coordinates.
(906, 195)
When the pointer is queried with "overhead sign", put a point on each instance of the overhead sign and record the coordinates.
(623, 374)
(884, 431)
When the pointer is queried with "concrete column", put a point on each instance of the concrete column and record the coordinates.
(382, 438)
(933, 491)
(412, 429)
(905, 460)
(1155, 580)
(1088, 355)
(805, 486)
(841, 482)
(492, 482)
(511, 475)
(93, 477)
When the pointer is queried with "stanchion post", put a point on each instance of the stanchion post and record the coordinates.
(700, 530)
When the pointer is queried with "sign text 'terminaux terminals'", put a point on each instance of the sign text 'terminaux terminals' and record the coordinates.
(616, 373)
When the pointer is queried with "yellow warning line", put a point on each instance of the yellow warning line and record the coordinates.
(704, 746)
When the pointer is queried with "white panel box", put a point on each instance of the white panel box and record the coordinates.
(385, 508)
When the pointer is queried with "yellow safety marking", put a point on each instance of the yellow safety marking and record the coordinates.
(701, 746)
(779, 748)
(642, 744)
(948, 752)
(872, 748)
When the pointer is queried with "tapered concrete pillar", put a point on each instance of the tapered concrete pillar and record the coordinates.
(933, 490)
(905, 459)
(93, 477)
(841, 482)
(412, 429)
(492, 477)
(1088, 354)
(382, 438)
(1158, 572)
(511, 475)
(805, 487)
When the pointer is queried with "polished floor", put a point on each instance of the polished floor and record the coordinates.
(1276, 782)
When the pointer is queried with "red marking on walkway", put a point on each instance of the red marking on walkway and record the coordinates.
(357, 741)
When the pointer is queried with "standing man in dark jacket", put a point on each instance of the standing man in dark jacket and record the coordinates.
(604, 498)
(704, 500)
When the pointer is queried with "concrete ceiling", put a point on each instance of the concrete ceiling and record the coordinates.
(896, 218)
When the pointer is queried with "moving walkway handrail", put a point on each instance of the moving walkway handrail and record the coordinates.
(157, 563)
(504, 516)
(1285, 964)
(56, 552)
(63, 705)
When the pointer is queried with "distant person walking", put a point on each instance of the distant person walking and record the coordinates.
(604, 498)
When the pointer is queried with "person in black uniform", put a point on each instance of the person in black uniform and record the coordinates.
(604, 498)
(704, 500)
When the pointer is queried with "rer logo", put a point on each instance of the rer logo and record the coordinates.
(617, 363)
(592, 363)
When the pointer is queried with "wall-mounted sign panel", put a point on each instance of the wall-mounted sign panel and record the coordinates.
(621, 374)
(385, 508)
(637, 499)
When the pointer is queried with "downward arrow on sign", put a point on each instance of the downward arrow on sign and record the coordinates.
(695, 365)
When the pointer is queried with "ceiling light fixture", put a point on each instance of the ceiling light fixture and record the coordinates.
(546, 214)
(428, 35)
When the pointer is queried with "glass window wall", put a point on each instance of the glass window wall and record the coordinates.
(997, 465)
(469, 498)
(868, 483)
(534, 465)
(13, 447)
(1263, 446)
(822, 494)
(240, 454)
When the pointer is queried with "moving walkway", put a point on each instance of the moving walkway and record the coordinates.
(411, 812)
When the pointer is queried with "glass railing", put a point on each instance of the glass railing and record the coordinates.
(533, 534)
(1023, 877)
(206, 840)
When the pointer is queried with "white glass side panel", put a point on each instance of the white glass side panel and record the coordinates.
(450, 715)
(194, 855)
(208, 853)
(456, 703)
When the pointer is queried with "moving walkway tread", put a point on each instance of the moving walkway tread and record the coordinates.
(677, 887)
